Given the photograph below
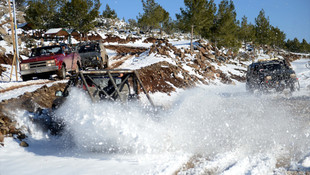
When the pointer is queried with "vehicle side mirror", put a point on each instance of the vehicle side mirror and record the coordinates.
(59, 94)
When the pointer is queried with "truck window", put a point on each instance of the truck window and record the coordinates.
(45, 51)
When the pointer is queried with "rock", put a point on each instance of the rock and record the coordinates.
(1, 137)
(210, 56)
(212, 68)
(21, 136)
(5, 128)
(201, 49)
(23, 144)
(29, 105)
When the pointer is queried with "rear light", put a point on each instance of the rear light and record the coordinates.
(268, 78)
(266, 81)
(293, 75)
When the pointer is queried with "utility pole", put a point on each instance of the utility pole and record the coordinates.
(16, 37)
(15, 61)
(14, 41)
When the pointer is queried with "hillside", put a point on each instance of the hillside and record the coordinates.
(204, 121)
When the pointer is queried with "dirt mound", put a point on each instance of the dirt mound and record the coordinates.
(165, 77)
(6, 59)
(204, 62)
(124, 50)
(41, 98)
(2, 69)
(150, 40)
(117, 39)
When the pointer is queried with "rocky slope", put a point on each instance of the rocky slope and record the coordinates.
(32, 102)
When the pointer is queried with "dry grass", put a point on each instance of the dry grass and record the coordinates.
(2, 51)
(2, 31)
(8, 39)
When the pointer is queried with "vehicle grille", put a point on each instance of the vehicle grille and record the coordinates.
(37, 64)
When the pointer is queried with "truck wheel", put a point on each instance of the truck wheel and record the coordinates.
(294, 86)
(62, 72)
(26, 77)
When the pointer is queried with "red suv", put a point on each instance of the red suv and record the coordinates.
(49, 60)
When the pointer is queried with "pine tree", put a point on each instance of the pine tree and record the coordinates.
(246, 31)
(20, 4)
(262, 28)
(304, 46)
(132, 23)
(226, 25)
(276, 37)
(80, 15)
(43, 13)
(154, 15)
(197, 13)
(170, 26)
(109, 13)
(293, 46)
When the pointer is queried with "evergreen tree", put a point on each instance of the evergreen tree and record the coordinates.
(246, 32)
(276, 37)
(169, 26)
(132, 23)
(154, 15)
(197, 13)
(293, 46)
(304, 46)
(20, 4)
(262, 28)
(109, 13)
(80, 14)
(43, 13)
(226, 25)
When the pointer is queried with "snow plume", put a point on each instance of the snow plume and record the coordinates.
(201, 122)
(111, 127)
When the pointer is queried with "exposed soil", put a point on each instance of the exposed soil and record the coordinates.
(120, 62)
(41, 98)
(20, 86)
(124, 50)
(164, 77)
(117, 39)
(6, 59)
(2, 69)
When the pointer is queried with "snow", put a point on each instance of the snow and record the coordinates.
(144, 60)
(8, 49)
(52, 31)
(216, 129)
(208, 124)
(302, 72)
(17, 92)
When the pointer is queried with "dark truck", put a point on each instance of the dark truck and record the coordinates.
(118, 85)
(114, 85)
(49, 60)
(265, 75)
(93, 55)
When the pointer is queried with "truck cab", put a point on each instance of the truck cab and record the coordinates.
(49, 60)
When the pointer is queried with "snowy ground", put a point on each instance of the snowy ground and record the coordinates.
(219, 129)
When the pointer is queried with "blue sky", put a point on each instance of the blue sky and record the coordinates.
(291, 16)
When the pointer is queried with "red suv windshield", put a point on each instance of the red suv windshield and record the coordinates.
(45, 51)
